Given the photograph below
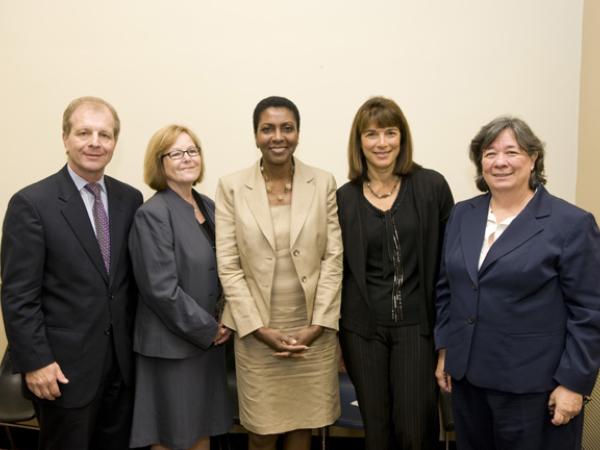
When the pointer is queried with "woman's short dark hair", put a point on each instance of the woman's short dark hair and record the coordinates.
(526, 139)
(275, 102)
(383, 112)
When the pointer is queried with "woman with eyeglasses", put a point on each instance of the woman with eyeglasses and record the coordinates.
(181, 396)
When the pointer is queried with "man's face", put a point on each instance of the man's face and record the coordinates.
(91, 142)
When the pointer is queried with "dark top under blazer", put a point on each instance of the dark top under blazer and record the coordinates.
(176, 271)
(433, 202)
(58, 301)
(529, 319)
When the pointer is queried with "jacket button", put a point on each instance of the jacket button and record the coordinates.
(296, 252)
(108, 331)
(304, 279)
(470, 320)
(474, 286)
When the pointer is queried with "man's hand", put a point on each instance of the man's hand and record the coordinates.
(564, 404)
(43, 382)
(443, 379)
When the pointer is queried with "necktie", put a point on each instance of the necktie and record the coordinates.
(101, 223)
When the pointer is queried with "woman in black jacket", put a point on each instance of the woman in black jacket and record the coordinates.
(392, 214)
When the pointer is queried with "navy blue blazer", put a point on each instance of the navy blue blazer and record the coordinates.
(529, 318)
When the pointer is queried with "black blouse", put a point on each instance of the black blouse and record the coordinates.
(389, 262)
(207, 226)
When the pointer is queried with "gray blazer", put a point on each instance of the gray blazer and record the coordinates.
(176, 271)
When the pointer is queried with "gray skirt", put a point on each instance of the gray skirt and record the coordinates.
(178, 401)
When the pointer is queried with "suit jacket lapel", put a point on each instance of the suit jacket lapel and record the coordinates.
(258, 203)
(184, 212)
(78, 219)
(356, 252)
(303, 192)
(472, 231)
(180, 209)
(520, 230)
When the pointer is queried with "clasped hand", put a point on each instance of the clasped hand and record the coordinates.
(289, 345)
(222, 336)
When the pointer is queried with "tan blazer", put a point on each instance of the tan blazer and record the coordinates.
(246, 247)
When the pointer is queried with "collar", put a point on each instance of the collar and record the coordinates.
(80, 183)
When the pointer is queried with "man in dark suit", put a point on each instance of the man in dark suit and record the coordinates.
(67, 289)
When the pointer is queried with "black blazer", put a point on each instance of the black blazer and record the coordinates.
(433, 201)
(176, 271)
(59, 303)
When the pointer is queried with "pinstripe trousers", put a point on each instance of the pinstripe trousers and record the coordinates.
(393, 374)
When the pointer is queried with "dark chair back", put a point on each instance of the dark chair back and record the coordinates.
(13, 406)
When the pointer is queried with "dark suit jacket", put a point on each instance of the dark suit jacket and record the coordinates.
(59, 303)
(433, 201)
(529, 319)
(176, 271)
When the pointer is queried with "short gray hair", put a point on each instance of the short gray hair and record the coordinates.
(526, 139)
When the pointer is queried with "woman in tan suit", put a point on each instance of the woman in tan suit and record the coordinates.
(279, 253)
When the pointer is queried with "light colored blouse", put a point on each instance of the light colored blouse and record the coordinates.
(493, 231)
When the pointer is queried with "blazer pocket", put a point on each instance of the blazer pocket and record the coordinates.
(455, 336)
(67, 345)
(532, 352)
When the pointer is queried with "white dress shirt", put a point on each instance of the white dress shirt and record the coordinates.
(87, 196)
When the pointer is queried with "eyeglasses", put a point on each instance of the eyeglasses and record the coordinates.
(176, 154)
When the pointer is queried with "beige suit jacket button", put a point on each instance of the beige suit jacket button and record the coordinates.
(304, 279)
(296, 252)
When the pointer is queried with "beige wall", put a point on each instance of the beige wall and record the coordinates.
(588, 186)
(452, 66)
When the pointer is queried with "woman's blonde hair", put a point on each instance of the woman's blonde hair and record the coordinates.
(160, 142)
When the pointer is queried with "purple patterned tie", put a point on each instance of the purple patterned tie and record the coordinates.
(101, 222)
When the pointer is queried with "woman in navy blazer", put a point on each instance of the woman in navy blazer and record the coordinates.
(181, 395)
(518, 302)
